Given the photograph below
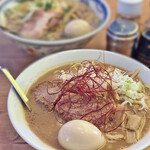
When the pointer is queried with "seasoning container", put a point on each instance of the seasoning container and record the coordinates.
(122, 36)
(130, 10)
(142, 53)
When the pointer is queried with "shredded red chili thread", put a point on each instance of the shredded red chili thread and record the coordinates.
(91, 82)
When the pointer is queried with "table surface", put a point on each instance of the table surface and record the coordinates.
(16, 60)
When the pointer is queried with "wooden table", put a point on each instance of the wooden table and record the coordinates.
(16, 60)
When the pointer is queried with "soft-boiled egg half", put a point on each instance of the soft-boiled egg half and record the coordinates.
(80, 135)
(77, 27)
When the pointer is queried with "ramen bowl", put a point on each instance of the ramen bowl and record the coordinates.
(31, 73)
(42, 47)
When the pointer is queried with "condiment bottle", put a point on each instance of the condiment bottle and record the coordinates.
(130, 10)
(142, 53)
(122, 36)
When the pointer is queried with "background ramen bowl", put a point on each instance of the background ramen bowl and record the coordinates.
(25, 80)
(41, 47)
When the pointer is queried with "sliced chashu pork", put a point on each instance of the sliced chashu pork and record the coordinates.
(74, 106)
(47, 94)
(39, 23)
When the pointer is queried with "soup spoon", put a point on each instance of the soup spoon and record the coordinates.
(16, 86)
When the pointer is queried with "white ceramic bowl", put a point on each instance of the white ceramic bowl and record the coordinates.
(30, 74)
(41, 47)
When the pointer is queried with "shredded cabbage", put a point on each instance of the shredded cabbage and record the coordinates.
(130, 90)
(64, 76)
(127, 85)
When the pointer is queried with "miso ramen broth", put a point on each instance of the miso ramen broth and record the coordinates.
(51, 19)
(71, 91)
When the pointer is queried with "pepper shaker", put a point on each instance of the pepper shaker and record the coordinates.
(122, 36)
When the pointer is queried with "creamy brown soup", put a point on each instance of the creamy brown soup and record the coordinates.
(45, 123)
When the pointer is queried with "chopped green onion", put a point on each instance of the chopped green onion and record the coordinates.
(39, 4)
(49, 5)
(66, 11)
(129, 81)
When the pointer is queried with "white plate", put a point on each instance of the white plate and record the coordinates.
(31, 73)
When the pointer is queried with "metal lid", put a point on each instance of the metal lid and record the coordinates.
(121, 27)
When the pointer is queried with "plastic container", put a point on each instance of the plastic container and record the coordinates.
(130, 10)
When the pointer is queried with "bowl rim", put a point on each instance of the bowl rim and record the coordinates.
(60, 42)
(34, 145)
